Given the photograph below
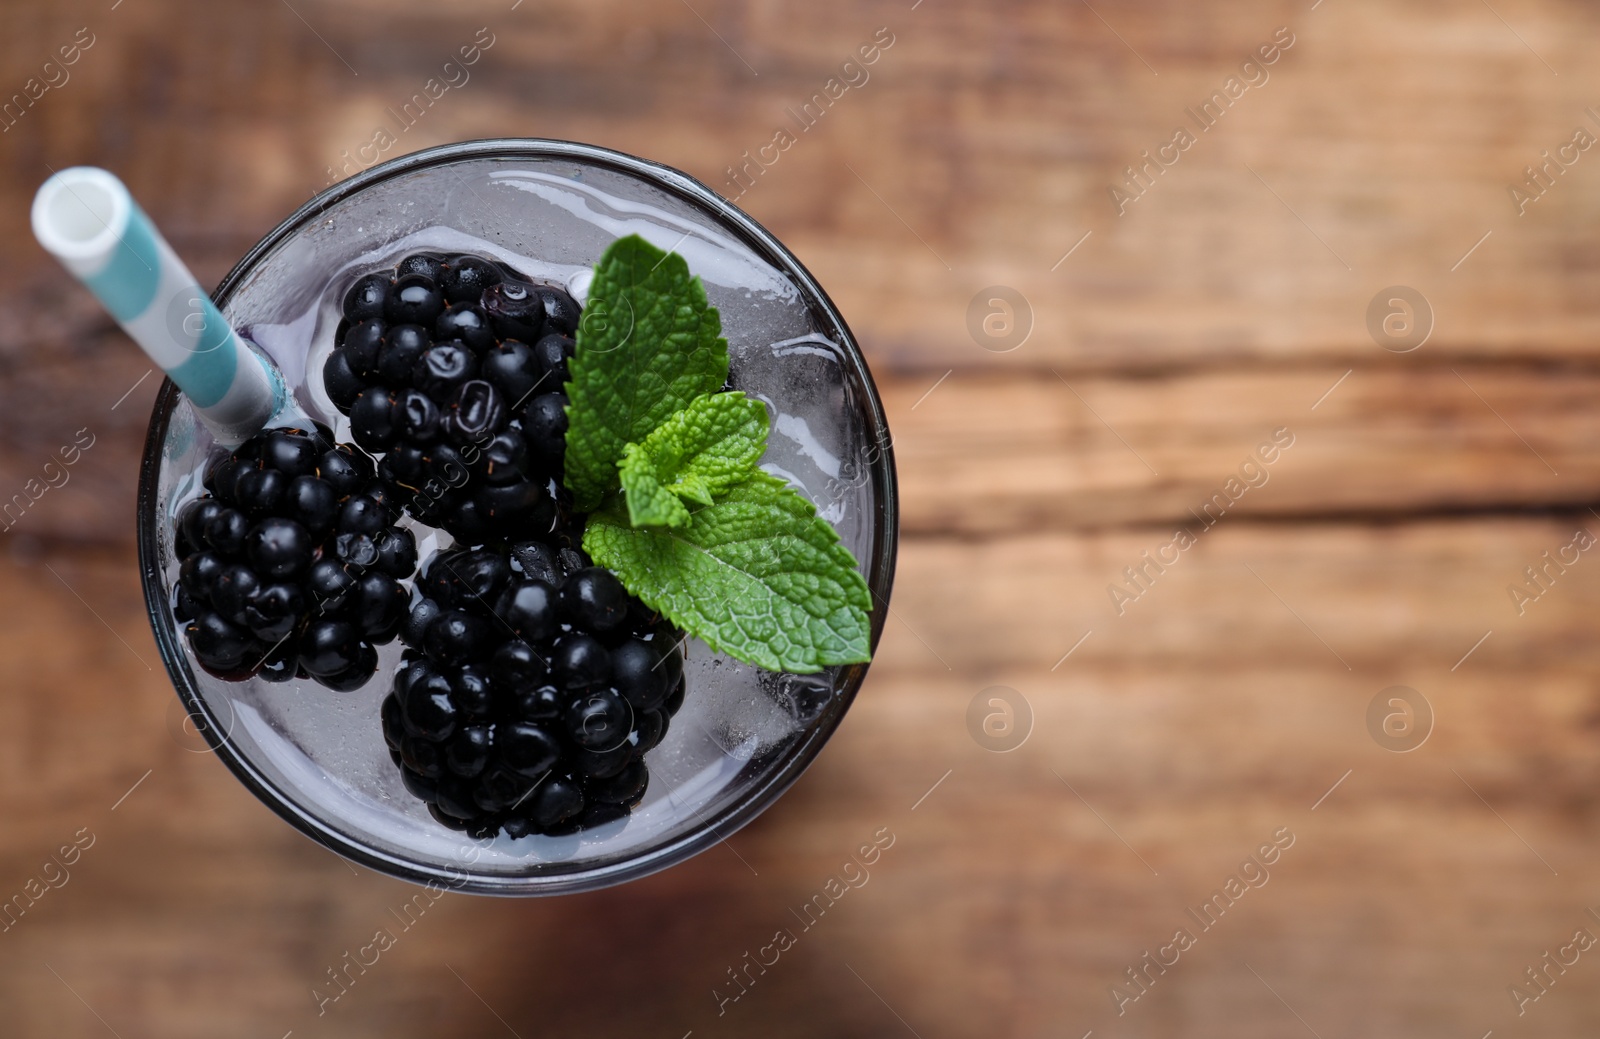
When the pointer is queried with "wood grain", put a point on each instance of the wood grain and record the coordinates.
(1174, 731)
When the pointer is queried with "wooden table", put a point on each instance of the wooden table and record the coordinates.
(1174, 732)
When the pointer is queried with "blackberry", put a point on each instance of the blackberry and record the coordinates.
(451, 370)
(290, 563)
(531, 689)
(532, 684)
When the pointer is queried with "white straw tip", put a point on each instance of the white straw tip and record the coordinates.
(79, 213)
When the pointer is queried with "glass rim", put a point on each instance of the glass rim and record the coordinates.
(712, 828)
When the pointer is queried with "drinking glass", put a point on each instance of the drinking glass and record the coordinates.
(549, 208)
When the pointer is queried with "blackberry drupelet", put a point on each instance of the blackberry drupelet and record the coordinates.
(290, 565)
(452, 371)
(532, 687)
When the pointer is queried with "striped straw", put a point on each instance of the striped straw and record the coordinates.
(85, 218)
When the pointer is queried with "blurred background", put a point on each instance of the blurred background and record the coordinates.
(1104, 257)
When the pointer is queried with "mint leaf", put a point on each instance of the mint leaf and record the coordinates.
(758, 575)
(694, 456)
(651, 503)
(648, 344)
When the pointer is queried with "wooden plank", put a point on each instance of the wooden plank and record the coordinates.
(1387, 442)
(996, 146)
(1191, 733)
(1085, 452)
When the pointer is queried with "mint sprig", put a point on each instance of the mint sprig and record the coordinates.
(648, 344)
(683, 514)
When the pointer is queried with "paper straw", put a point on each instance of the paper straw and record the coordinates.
(85, 218)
